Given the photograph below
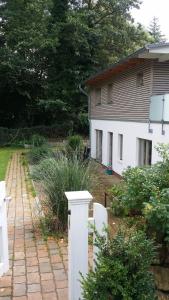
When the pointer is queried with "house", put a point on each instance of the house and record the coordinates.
(129, 109)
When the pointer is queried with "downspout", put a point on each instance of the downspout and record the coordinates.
(89, 111)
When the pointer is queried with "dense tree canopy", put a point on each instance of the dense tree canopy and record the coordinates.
(48, 48)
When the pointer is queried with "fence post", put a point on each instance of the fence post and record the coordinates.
(4, 256)
(78, 205)
(100, 222)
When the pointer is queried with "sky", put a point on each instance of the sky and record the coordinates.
(151, 8)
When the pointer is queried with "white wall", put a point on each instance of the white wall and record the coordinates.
(131, 132)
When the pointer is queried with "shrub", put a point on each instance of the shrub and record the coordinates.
(36, 154)
(122, 270)
(58, 176)
(75, 142)
(156, 213)
(38, 140)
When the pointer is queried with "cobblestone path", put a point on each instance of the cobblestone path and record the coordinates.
(38, 268)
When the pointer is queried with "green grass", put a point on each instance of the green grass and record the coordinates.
(5, 155)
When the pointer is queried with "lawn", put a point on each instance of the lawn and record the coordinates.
(5, 155)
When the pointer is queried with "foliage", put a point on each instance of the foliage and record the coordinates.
(23, 135)
(155, 31)
(36, 154)
(117, 205)
(122, 270)
(38, 140)
(58, 176)
(49, 47)
(75, 142)
(146, 191)
(156, 213)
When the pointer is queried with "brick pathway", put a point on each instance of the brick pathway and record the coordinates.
(38, 269)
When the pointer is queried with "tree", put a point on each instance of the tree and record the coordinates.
(49, 47)
(24, 40)
(155, 31)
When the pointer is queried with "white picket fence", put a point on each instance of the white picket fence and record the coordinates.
(4, 256)
(79, 228)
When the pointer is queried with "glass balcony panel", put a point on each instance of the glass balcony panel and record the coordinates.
(166, 108)
(156, 108)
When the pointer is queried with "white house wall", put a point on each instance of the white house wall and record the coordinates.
(131, 132)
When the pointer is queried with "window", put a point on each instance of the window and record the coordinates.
(121, 146)
(140, 79)
(144, 152)
(109, 93)
(98, 96)
(110, 149)
(99, 139)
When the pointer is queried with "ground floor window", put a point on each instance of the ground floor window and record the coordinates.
(99, 140)
(144, 152)
(110, 149)
(120, 146)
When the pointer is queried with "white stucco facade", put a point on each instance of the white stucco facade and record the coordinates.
(131, 132)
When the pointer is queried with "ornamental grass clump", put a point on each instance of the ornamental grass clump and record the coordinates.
(57, 176)
(122, 270)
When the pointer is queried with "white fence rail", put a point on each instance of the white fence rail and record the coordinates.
(79, 228)
(4, 256)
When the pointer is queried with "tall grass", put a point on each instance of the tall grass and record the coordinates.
(58, 176)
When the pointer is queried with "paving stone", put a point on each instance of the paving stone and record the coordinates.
(33, 278)
(60, 274)
(63, 294)
(60, 284)
(46, 276)
(19, 279)
(35, 296)
(5, 281)
(5, 291)
(47, 286)
(50, 296)
(32, 288)
(45, 267)
(19, 289)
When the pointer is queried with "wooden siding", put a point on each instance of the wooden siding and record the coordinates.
(160, 78)
(129, 102)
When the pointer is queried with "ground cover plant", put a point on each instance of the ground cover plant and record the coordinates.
(5, 155)
(122, 270)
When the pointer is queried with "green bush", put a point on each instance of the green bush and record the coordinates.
(38, 140)
(75, 142)
(122, 270)
(58, 176)
(36, 154)
(156, 213)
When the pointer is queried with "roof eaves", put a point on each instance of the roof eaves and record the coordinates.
(120, 62)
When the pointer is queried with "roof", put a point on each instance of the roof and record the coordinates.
(158, 51)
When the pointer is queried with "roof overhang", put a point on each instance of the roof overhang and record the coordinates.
(158, 52)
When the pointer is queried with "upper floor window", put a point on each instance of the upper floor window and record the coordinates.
(140, 79)
(98, 96)
(109, 93)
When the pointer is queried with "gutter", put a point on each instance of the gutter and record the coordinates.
(89, 110)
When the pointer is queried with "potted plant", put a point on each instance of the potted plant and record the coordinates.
(109, 170)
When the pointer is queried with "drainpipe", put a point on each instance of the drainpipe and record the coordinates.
(89, 110)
